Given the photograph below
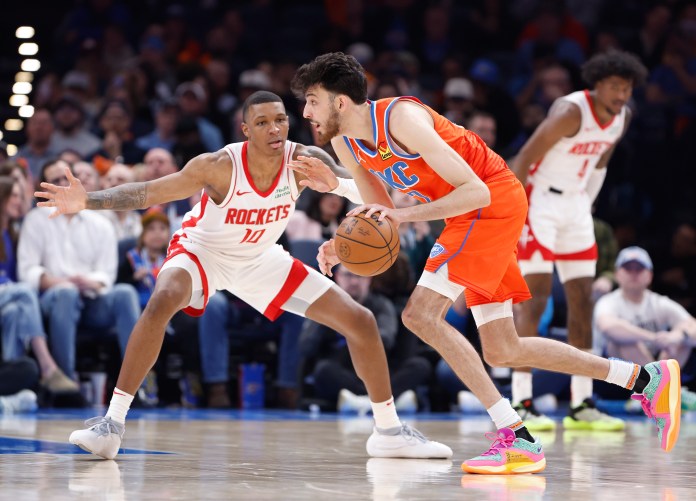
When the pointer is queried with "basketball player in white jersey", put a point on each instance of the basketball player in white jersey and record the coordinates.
(228, 241)
(563, 165)
(636, 323)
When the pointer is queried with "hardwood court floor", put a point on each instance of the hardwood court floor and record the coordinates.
(191, 455)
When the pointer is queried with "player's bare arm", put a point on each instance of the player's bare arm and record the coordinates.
(316, 169)
(199, 173)
(412, 125)
(563, 120)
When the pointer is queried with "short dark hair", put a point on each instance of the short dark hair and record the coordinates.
(259, 97)
(336, 72)
(614, 63)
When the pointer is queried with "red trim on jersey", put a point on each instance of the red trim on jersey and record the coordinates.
(535, 166)
(298, 272)
(584, 255)
(245, 163)
(594, 113)
(235, 175)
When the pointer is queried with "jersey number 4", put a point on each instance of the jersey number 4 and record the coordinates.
(252, 236)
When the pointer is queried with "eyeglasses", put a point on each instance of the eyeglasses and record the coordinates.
(58, 180)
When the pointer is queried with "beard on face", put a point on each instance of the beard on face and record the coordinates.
(330, 129)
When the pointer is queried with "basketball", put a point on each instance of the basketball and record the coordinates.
(367, 246)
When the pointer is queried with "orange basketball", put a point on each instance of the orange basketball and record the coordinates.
(367, 246)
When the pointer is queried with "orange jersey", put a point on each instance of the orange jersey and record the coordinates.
(478, 248)
(410, 173)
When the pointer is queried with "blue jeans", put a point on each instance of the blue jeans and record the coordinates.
(65, 309)
(20, 319)
(213, 332)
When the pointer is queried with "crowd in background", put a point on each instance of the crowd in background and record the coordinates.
(130, 91)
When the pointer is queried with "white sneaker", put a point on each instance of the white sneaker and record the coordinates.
(103, 437)
(407, 402)
(23, 401)
(404, 442)
(468, 402)
(350, 402)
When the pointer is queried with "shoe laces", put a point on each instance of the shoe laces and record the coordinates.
(104, 426)
(411, 433)
(499, 441)
(644, 403)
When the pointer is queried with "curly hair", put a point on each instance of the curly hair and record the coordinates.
(336, 72)
(614, 63)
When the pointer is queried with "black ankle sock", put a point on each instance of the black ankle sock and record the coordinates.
(523, 433)
(641, 381)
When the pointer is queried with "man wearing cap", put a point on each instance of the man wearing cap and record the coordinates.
(193, 101)
(636, 323)
(71, 133)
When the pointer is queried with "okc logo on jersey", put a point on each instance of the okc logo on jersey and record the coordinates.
(384, 151)
(436, 250)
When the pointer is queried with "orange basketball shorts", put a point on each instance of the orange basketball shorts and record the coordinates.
(480, 247)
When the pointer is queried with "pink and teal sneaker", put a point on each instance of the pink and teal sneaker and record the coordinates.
(507, 455)
(661, 400)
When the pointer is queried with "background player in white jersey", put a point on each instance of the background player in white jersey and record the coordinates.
(636, 323)
(563, 166)
(228, 241)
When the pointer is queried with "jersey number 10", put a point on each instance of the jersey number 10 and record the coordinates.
(252, 236)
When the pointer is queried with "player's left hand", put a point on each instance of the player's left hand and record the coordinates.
(327, 257)
(317, 175)
(389, 212)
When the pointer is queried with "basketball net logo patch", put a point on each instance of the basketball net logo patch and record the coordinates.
(384, 151)
(436, 250)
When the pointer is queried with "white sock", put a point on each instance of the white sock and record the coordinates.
(622, 373)
(385, 414)
(580, 389)
(521, 386)
(119, 405)
(504, 416)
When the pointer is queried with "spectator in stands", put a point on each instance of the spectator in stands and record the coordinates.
(38, 148)
(25, 181)
(71, 128)
(193, 102)
(166, 117)
(118, 144)
(321, 219)
(634, 323)
(71, 260)
(16, 380)
(126, 222)
(20, 316)
(87, 174)
(484, 125)
(335, 379)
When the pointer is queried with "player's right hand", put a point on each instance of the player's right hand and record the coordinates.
(327, 257)
(66, 200)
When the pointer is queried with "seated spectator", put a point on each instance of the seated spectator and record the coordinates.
(223, 313)
(20, 316)
(143, 262)
(321, 219)
(71, 128)
(166, 118)
(25, 181)
(38, 148)
(334, 377)
(193, 102)
(71, 260)
(16, 380)
(87, 174)
(416, 237)
(126, 222)
(118, 144)
(634, 323)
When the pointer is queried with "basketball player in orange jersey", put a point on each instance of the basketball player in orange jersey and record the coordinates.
(229, 241)
(455, 176)
(563, 166)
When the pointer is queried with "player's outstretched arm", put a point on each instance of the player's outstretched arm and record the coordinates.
(316, 169)
(73, 198)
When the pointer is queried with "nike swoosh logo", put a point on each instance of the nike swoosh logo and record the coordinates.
(240, 193)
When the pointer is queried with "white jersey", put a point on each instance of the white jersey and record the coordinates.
(248, 221)
(568, 164)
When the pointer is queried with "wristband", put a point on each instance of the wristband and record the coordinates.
(348, 189)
